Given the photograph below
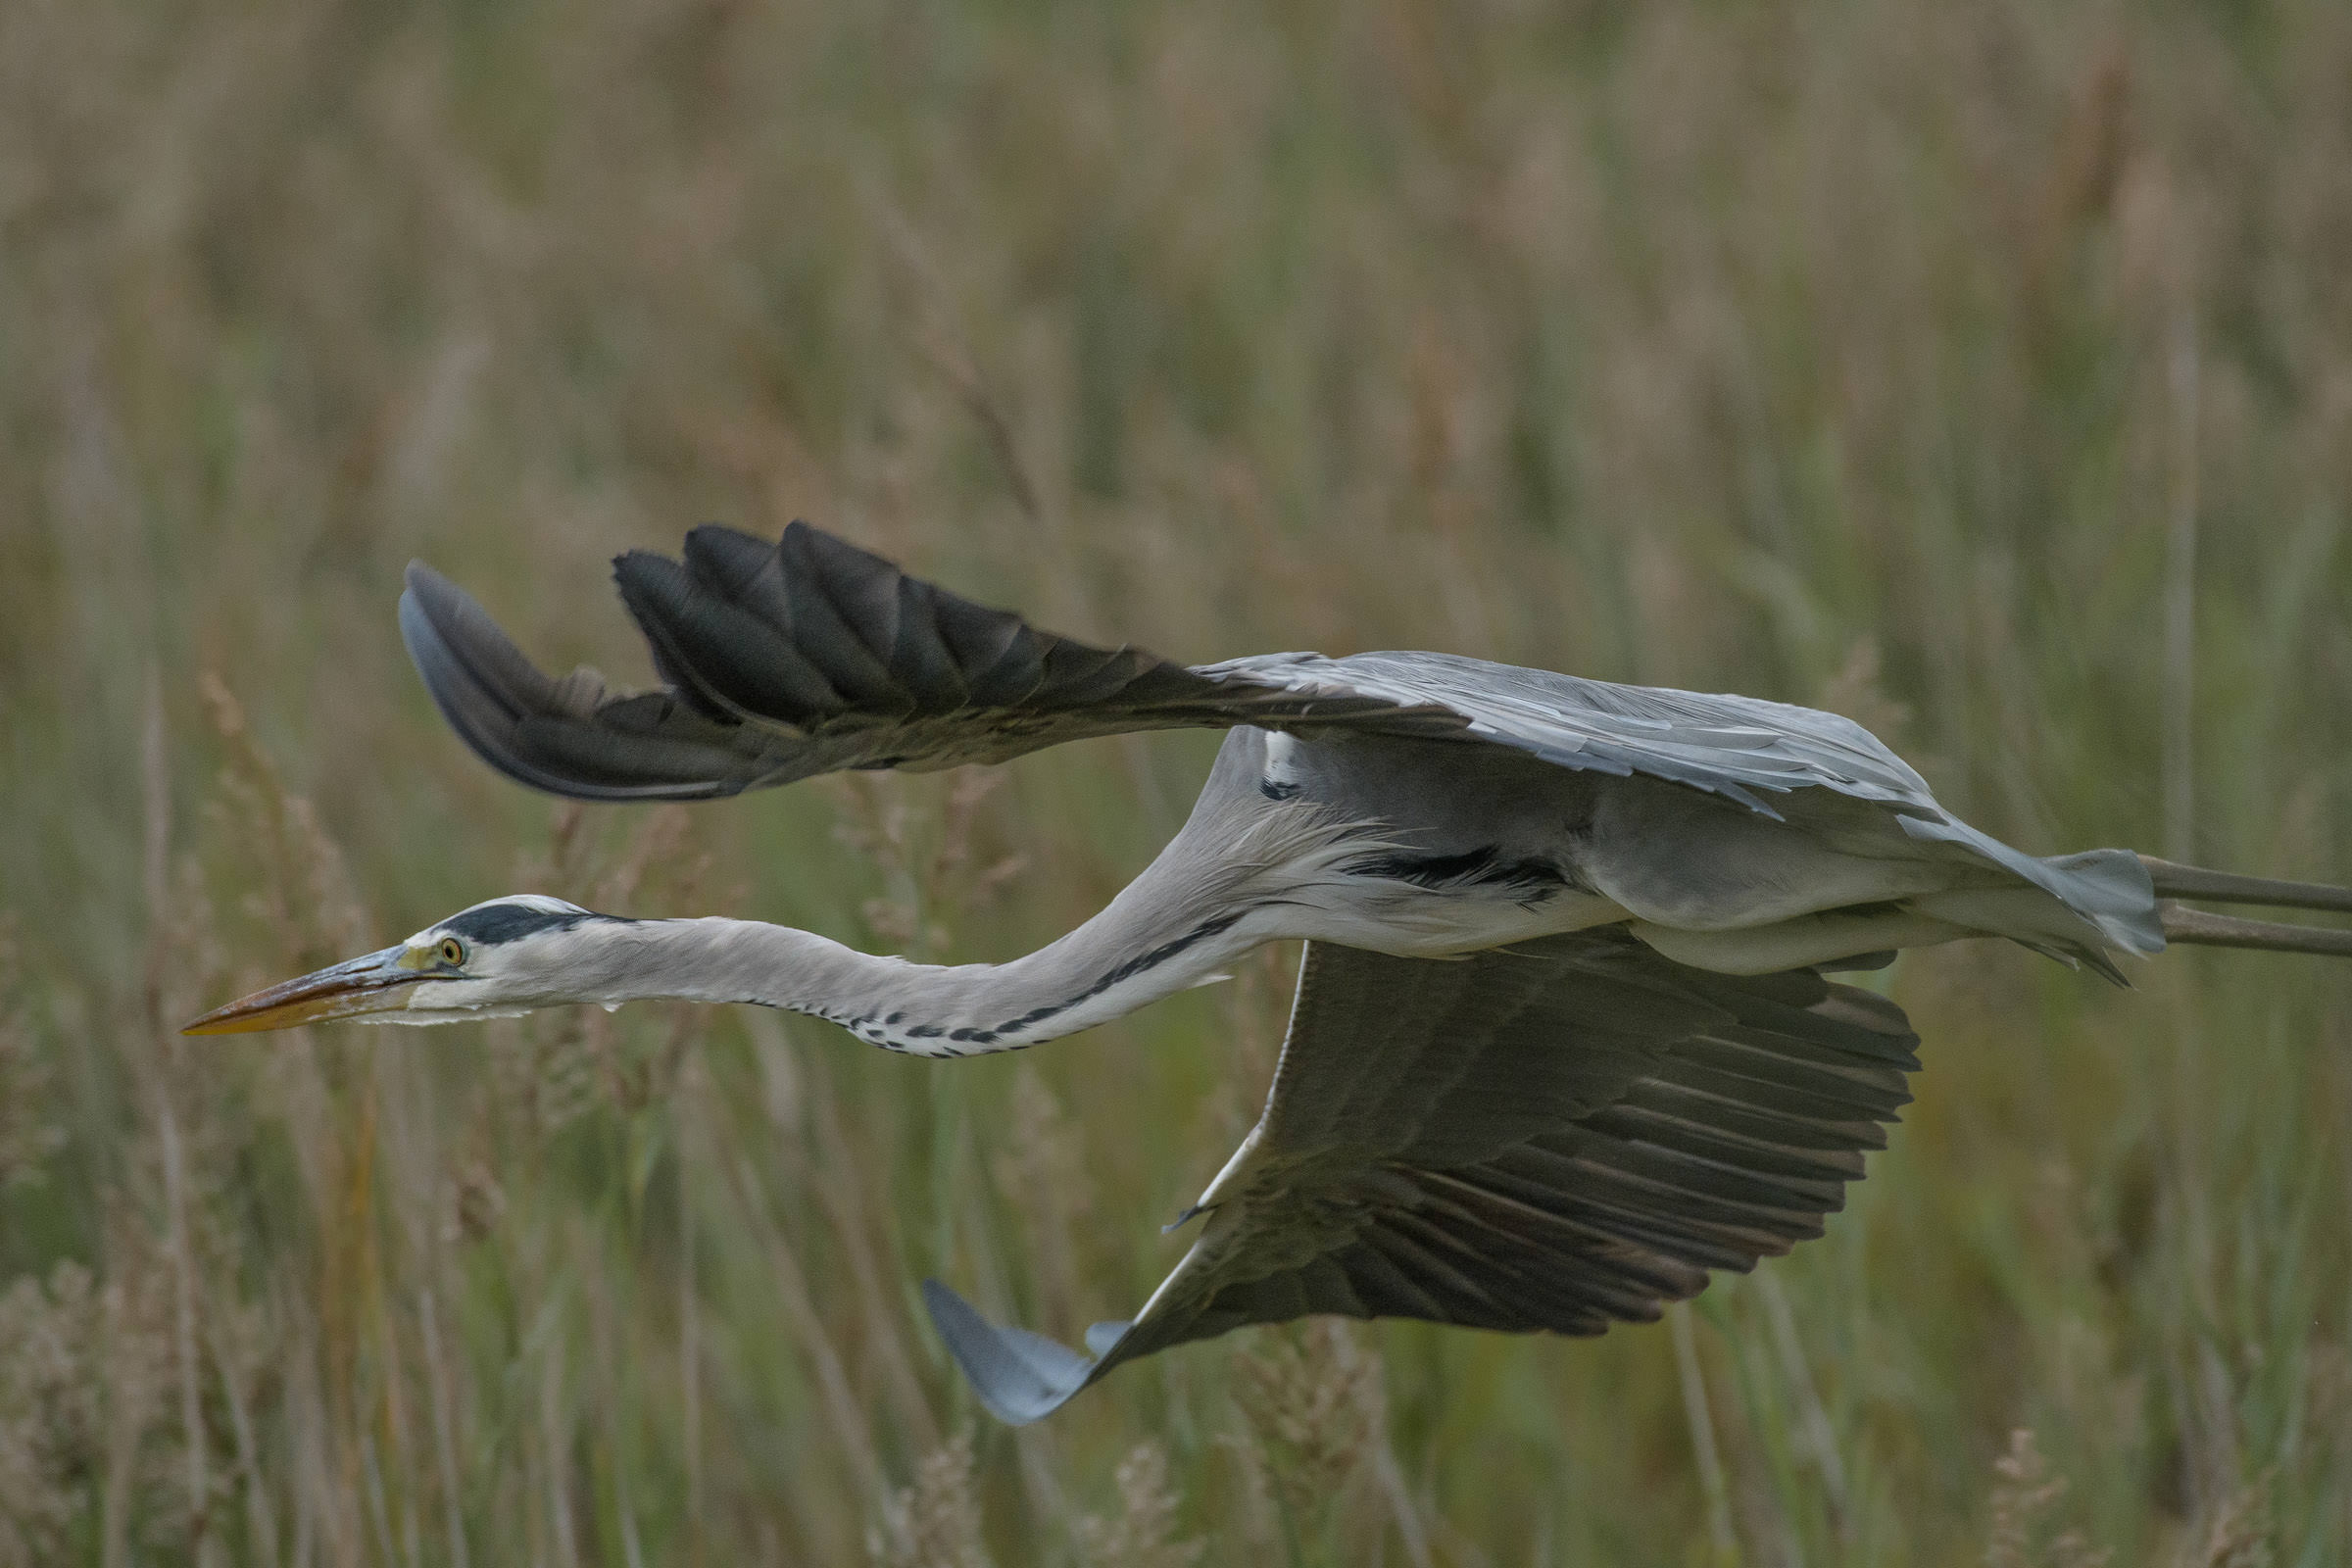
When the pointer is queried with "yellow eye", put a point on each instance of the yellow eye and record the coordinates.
(452, 952)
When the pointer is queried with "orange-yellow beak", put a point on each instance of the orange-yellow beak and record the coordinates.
(375, 983)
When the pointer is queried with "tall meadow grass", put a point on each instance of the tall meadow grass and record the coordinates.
(1980, 369)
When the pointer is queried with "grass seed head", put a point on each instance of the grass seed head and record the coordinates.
(934, 1523)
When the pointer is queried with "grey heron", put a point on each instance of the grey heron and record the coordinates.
(1562, 1041)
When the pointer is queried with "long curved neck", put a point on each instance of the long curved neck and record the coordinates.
(1219, 890)
(1093, 975)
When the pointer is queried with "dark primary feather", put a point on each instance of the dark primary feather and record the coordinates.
(1551, 1137)
(786, 659)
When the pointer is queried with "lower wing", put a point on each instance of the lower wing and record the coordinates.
(1551, 1137)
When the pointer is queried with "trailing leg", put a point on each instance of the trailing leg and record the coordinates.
(2176, 881)
(2201, 928)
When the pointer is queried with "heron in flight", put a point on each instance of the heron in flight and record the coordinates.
(1561, 1044)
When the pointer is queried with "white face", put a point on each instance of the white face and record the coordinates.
(503, 957)
(498, 958)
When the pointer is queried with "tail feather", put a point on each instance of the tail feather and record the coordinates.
(2108, 890)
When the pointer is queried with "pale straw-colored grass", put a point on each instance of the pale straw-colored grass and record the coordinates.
(1881, 356)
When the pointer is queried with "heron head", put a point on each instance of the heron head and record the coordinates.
(495, 959)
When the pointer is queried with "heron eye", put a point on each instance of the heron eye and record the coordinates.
(452, 952)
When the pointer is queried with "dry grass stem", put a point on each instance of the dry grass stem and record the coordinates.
(2024, 1496)
(1314, 1409)
(27, 1137)
(1143, 1533)
(1712, 1485)
(934, 1523)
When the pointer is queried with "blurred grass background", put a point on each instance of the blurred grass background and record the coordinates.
(1880, 356)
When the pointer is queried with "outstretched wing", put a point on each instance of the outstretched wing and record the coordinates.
(809, 654)
(1555, 1136)
(806, 656)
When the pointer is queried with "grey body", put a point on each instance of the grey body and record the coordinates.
(1562, 1040)
(1493, 845)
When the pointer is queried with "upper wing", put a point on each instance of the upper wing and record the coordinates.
(1733, 745)
(1554, 1135)
(809, 654)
